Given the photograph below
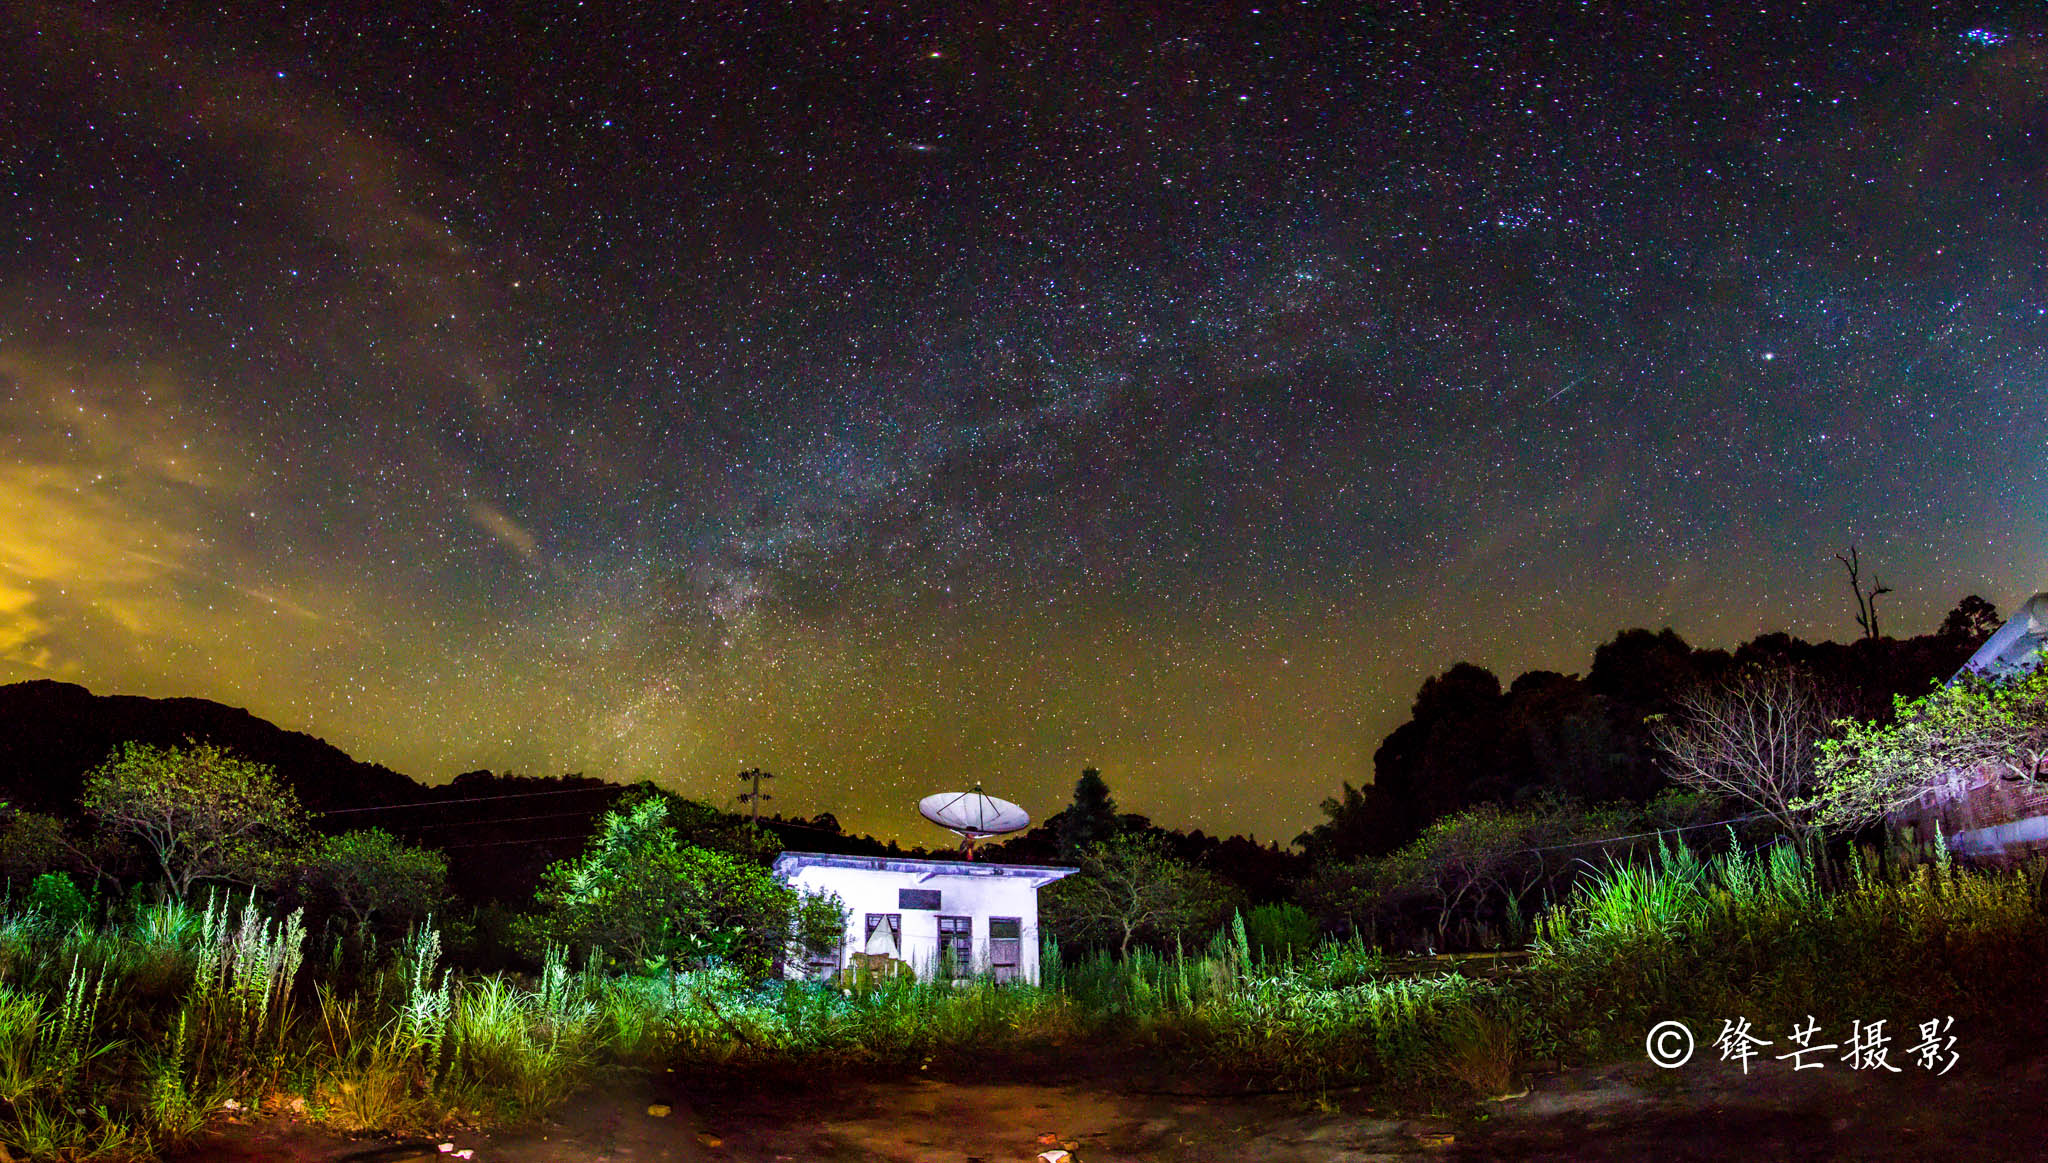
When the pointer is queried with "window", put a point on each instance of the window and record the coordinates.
(884, 935)
(918, 898)
(1005, 947)
(956, 947)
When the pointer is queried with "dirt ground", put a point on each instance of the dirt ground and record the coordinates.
(1990, 1106)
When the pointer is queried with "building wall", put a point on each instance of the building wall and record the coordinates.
(865, 891)
(1982, 815)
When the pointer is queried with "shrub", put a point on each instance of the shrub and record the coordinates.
(1280, 932)
(56, 902)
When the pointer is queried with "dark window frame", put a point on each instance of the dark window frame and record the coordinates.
(875, 920)
(1006, 954)
(956, 945)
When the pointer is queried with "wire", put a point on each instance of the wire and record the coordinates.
(1742, 819)
(483, 821)
(1638, 835)
(435, 805)
(520, 840)
(612, 788)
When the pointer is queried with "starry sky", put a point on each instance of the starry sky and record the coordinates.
(896, 397)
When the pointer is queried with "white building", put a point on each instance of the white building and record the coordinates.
(938, 916)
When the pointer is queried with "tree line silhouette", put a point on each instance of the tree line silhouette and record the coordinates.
(1469, 741)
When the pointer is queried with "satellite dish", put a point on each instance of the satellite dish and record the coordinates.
(973, 815)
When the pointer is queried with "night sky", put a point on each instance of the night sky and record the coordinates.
(896, 398)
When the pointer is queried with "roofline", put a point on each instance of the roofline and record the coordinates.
(790, 862)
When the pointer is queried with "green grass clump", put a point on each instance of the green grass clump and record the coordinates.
(120, 1037)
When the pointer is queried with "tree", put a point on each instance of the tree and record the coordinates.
(1482, 872)
(1131, 887)
(646, 898)
(1362, 823)
(704, 826)
(373, 873)
(31, 843)
(1866, 600)
(1973, 620)
(202, 811)
(1091, 818)
(1934, 742)
(1753, 739)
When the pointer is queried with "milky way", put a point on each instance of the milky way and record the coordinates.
(900, 397)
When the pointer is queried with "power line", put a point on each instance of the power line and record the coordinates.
(486, 820)
(1639, 835)
(1742, 819)
(443, 804)
(523, 795)
(519, 840)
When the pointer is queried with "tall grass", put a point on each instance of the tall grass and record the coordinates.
(119, 1037)
(1757, 935)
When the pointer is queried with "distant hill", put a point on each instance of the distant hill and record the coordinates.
(500, 830)
(52, 733)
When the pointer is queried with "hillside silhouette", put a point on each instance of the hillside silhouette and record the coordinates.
(499, 830)
(52, 733)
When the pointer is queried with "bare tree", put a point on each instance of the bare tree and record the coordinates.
(1866, 600)
(1754, 739)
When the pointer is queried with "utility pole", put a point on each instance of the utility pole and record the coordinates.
(757, 795)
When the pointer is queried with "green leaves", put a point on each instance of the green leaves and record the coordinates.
(648, 898)
(201, 810)
(1934, 742)
(374, 873)
(1131, 887)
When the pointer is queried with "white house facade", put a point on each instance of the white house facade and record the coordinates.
(937, 917)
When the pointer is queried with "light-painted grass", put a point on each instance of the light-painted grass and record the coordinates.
(169, 1012)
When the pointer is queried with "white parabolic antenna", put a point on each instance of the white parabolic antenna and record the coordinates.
(973, 815)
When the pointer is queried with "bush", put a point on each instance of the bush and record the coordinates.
(1279, 933)
(56, 902)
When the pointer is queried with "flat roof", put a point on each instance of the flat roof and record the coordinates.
(791, 862)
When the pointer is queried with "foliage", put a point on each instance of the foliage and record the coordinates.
(372, 873)
(1478, 1049)
(1474, 877)
(703, 826)
(203, 812)
(1933, 742)
(647, 899)
(56, 902)
(31, 843)
(96, 1058)
(1751, 738)
(1757, 933)
(1131, 888)
(1361, 822)
(1089, 820)
(1972, 621)
(1470, 738)
(1280, 932)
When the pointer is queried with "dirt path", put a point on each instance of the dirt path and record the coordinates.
(1990, 1107)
